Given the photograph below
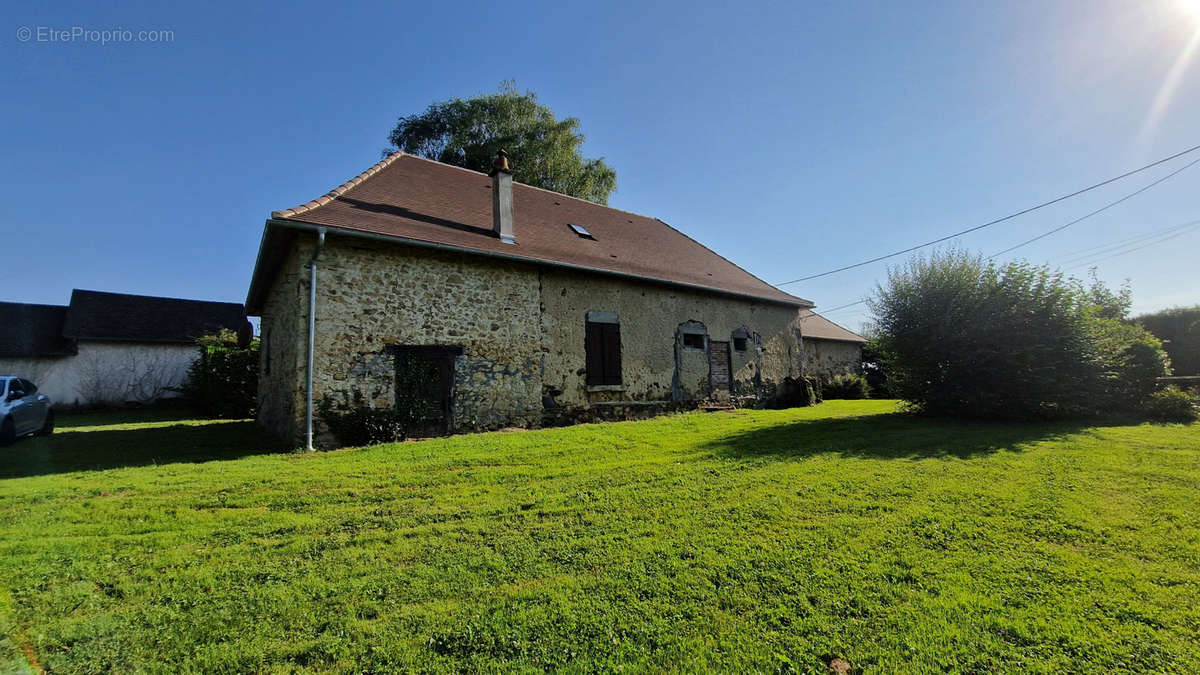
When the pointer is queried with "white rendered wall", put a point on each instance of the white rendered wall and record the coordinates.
(107, 373)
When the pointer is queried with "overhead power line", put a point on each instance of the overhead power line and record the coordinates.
(1008, 217)
(1102, 209)
(1136, 248)
(1115, 245)
(1157, 237)
(834, 309)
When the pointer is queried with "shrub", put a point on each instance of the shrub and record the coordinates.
(959, 336)
(846, 385)
(1179, 328)
(797, 392)
(1171, 405)
(223, 382)
(355, 424)
(1133, 361)
(872, 365)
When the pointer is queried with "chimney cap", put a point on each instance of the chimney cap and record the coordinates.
(500, 163)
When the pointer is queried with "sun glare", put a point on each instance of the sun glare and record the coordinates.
(1191, 6)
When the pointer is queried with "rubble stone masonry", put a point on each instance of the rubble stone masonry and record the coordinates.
(521, 328)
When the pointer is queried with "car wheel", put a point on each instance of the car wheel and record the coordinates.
(48, 425)
(8, 432)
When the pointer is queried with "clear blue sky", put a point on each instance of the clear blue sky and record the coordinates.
(791, 137)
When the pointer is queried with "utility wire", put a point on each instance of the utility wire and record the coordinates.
(1102, 209)
(1005, 218)
(1116, 245)
(830, 311)
(1157, 235)
(1138, 248)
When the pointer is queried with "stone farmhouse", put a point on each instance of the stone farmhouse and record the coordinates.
(110, 348)
(534, 308)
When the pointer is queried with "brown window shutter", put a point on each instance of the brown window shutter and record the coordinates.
(594, 346)
(612, 353)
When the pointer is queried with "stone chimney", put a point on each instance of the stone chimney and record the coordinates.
(502, 206)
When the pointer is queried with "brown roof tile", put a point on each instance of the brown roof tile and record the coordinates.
(411, 198)
(817, 327)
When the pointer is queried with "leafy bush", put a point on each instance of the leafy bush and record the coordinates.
(1179, 328)
(223, 382)
(959, 336)
(872, 365)
(1133, 361)
(1171, 405)
(797, 392)
(846, 385)
(355, 424)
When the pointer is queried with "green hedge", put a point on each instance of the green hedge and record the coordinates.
(961, 336)
(223, 381)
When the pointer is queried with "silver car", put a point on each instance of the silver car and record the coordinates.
(23, 410)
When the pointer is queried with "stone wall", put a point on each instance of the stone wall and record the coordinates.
(284, 335)
(521, 329)
(374, 296)
(826, 358)
(656, 366)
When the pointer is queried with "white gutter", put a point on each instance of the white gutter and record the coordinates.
(312, 332)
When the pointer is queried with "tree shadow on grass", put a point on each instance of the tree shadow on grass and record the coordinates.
(99, 448)
(891, 436)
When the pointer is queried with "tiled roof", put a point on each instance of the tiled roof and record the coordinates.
(419, 200)
(94, 315)
(33, 330)
(816, 327)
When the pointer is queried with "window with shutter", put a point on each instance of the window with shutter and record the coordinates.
(603, 347)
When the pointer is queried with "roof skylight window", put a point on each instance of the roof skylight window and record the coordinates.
(581, 231)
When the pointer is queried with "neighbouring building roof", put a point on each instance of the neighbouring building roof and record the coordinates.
(418, 200)
(33, 330)
(94, 315)
(816, 327)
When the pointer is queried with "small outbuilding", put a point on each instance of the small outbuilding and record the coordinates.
(110, 348)
(829, 349)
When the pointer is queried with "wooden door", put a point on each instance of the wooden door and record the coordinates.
(429, 370)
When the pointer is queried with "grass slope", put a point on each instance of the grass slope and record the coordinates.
(760, 540)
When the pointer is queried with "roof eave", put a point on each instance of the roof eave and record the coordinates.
(252, 293)
(798, 303)
(857, 341)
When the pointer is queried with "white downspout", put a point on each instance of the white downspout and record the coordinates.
(312, 332)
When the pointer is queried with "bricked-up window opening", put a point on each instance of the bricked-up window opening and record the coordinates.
(739, 344)
(693, 340)
(603, 347)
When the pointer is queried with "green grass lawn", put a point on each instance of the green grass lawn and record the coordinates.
(750, 540)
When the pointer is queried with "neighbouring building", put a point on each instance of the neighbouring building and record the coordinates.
(109, 348)
(534, 307)
(829, 349)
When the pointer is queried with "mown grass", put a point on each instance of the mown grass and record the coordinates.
(763, 540)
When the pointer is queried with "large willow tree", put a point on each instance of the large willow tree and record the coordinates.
(544, 151)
